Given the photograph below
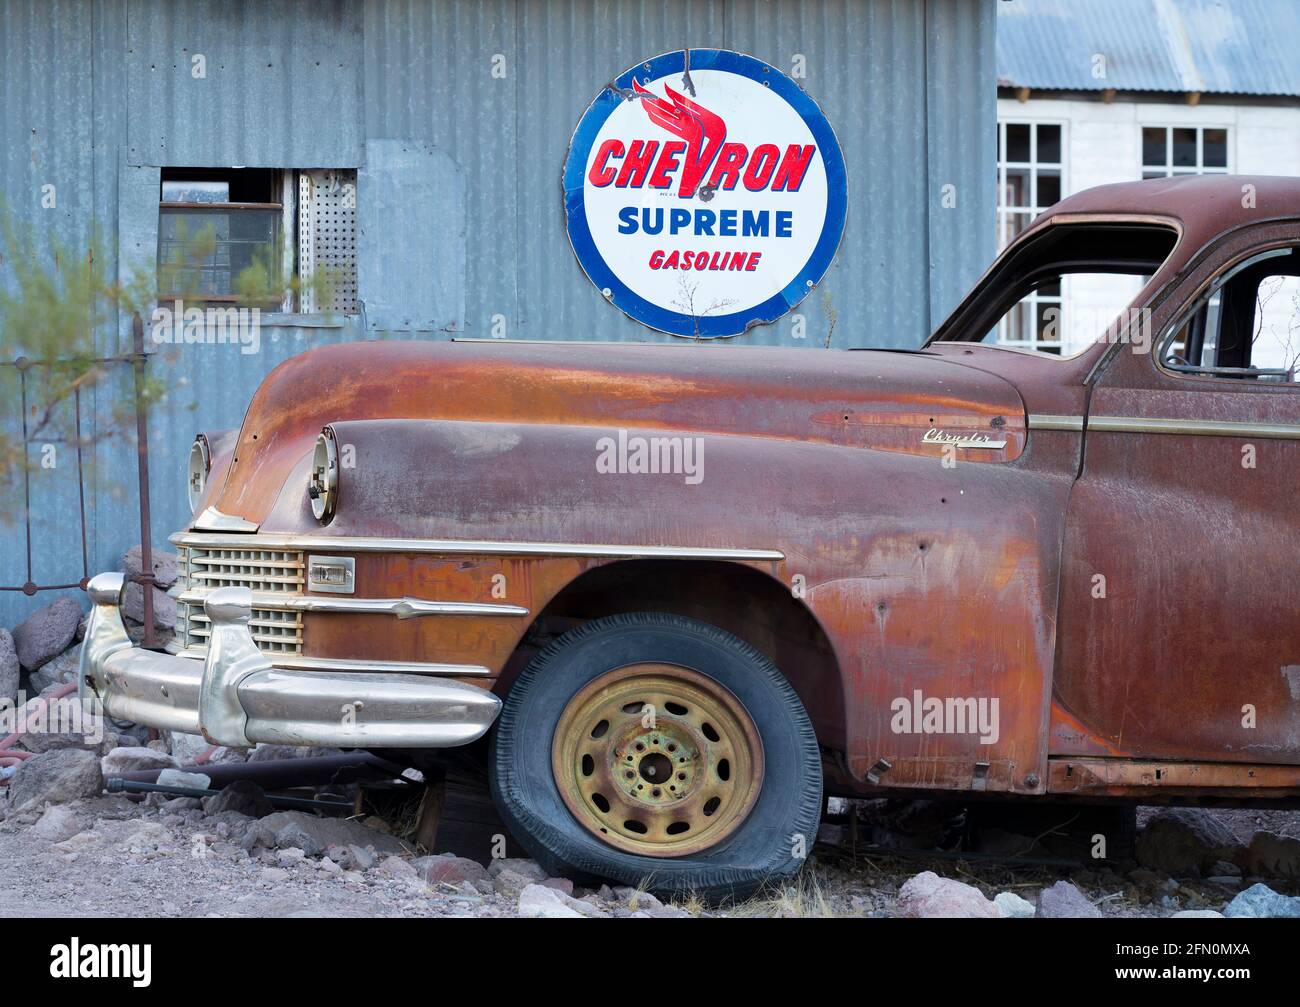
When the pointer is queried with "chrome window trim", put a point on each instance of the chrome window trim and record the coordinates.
(351, 543)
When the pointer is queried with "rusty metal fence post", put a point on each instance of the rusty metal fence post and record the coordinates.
(145, 578)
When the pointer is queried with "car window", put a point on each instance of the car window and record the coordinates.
(1063, 288)
(1246, 326)
(1067, 312)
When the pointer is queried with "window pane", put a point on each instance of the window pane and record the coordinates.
(1049, 188)
(1049, 144)
(1017, 142)
(1016, 192)
(202, 252)
(1185, 148)
(1011, 225)
(1153, 145)
(1216, 148)
(1276, 341)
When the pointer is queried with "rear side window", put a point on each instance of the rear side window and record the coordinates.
(1246, 326)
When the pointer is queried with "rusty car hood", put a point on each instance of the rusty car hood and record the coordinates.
(882, 400)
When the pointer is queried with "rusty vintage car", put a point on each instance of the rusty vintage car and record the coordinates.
(963, 569)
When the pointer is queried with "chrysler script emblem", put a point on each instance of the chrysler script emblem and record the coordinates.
(936, 436)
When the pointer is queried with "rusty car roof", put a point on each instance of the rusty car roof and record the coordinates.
(1205, 205)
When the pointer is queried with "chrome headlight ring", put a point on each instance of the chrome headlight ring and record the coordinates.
(323, 481)
(199, 466)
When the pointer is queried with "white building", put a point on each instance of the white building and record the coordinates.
(1098, 91)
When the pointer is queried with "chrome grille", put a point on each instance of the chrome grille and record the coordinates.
(264, 571)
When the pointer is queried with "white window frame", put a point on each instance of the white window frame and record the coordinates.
(1168, 167)
(1034, 300)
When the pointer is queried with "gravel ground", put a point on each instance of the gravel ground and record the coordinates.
(123, 858)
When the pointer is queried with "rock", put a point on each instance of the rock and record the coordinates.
(1272, 856)
(1186, 842)
(451, 870)
(9, 667)
(57, 777)
(1197, 914)
(164, 608)
(329, 832)
(50, 723)
(294, 836)
(929, 896)
(1013, 907)
(47, 632)
(1261, 902)
(131, 760)
(256, 837)
(179, 804)
(559, 884)
(166, 565)
(541, 902)
(243, 796)
(61, 670)
(186, 747)
(274, 875)
(180, 778)
(57, 824)
(225, 754)
(395, 867)
(264, 752)
(1225, 869)
(528, 868)
(1064, 901)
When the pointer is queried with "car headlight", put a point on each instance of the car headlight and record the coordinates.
(323, 482)
(200, 465)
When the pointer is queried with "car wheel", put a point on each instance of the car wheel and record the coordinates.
(655, 750)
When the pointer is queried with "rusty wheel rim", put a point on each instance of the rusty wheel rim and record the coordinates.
(658, 760)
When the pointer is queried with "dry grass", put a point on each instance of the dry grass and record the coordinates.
(802, 898)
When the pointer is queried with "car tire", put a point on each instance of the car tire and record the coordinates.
(551, 761)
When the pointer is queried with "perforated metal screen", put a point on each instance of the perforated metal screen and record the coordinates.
(327, 240)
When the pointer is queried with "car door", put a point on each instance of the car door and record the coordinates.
(1179, 622)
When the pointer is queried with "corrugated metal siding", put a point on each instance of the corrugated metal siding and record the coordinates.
(1209, 46)
(907, 84)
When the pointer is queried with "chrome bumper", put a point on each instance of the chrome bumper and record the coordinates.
(237, 698)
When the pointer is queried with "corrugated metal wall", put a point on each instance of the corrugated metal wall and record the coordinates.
(95, 95)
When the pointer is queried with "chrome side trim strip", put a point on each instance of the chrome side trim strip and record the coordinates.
(1194, 428)
(403, 608)
(288, 662)
(1046, 421)
(213, 520)
(352, 543)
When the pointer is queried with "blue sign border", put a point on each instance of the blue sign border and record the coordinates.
(647, 312)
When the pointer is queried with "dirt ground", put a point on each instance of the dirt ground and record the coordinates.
(124, 858)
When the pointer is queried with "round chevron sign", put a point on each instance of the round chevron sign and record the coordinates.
(704, 192)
